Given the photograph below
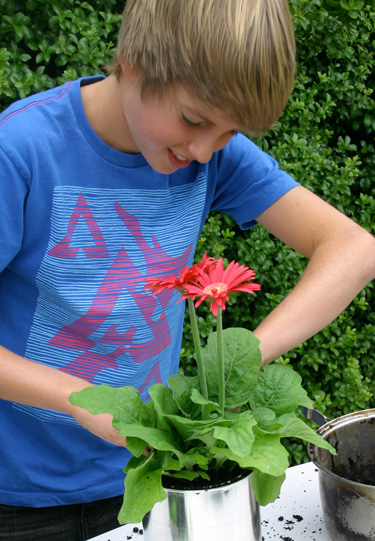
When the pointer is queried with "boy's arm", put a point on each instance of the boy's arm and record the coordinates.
(35, 384)
(342, 262)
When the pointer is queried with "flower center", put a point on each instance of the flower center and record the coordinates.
(217, 288)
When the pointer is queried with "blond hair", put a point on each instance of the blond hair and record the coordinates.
(234, 55)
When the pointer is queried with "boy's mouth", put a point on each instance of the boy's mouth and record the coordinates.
(177, 160)
(180, 157)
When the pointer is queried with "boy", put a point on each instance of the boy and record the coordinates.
(105, 181)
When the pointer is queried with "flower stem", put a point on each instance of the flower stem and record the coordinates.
(198, 350)
(220, 358)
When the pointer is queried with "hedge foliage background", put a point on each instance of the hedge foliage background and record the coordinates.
(325, 139)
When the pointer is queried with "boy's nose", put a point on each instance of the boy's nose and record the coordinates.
(202, 150)
(205, 144)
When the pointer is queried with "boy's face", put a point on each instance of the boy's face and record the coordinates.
(171, 131)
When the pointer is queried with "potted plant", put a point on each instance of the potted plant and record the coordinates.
(215, 427)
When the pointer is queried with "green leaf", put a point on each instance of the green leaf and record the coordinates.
(173, 466)
(156, 437)
(186, 427)
(191, 475)
(123, 403)
(197, 398)
(275, 425)
(136, 446)
(264, 416)
(239, 435)
(182, 387)
(164, 404)
(197, 458)
(296, 428)
(242, 360)
(266, 487)
(24, 57)
(267, 455)
(143, 488)
(135, 462)
(279, 389)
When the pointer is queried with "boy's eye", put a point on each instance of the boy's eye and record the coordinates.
(192, 124)
(189, 122)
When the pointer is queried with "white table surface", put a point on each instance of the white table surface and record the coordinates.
(295, 516)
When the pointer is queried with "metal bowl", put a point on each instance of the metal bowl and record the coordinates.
(347, 481)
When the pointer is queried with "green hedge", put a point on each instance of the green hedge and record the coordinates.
(325, 139)
(43, 44)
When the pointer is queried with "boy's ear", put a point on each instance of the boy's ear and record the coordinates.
(127, 70)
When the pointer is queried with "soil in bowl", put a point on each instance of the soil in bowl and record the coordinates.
(217, 479)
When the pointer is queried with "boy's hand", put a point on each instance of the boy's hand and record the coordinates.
(35, 384)
(99, 425)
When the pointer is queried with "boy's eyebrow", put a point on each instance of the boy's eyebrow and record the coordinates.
(198, 113)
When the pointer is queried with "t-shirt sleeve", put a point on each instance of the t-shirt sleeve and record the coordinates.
(248, 181)
(13, 197)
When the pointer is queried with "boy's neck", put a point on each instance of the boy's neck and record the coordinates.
(102, 106)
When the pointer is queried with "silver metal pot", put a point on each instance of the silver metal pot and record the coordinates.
(347, 481)
(216, 514)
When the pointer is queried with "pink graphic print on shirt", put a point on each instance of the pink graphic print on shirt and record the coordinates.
(124, 336)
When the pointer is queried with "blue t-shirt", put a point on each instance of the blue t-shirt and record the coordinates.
(81, 226)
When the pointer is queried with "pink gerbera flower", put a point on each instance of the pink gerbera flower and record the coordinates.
(208, 280)
(214, 284)
(156, 285)
(186, 276)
